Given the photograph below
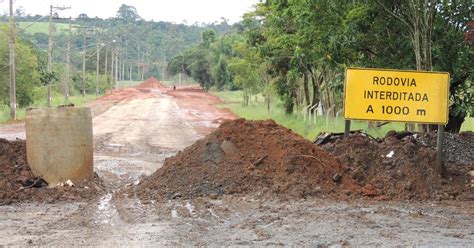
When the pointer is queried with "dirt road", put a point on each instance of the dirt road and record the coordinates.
(136, 129)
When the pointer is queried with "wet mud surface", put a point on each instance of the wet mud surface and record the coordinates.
(239, 220)
(137, 129)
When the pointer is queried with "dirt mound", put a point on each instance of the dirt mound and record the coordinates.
(247, 157)
(18, 184)
(458, 148)
(403, 166)
(125, 94)
(151, 83)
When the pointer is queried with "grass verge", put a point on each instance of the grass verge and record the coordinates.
(56, 101)
(300, 123)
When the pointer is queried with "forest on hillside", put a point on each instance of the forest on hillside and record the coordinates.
(129, 48)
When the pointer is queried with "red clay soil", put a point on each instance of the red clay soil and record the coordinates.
(410, 173)
(151, 83)
(126, 94)
(18, 184)
(199, 107)
(142, 91)
(242, 157)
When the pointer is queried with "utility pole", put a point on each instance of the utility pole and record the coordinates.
(112, 64)
(138, 63)
(116, 68)
(122, 59)
(83, 64)
(50, 52)
(112, 67)
(12, 64)
(97, 68)
(68, 64)
(84, 57)
(105, 67)
(143, 67)
(50, 48)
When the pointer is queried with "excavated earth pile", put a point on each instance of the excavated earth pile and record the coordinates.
(151, 83)
(18, 184)
(247, 157)
(402, 166)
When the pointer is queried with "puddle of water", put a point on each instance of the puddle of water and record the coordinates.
(174, 213)
(125, 171)
(13, 137)
(211, 211)
(113, 166)
(209, 124)
(190, 208)
(115, 145)
(105, 202)
(106, 211)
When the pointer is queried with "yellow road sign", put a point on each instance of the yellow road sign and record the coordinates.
(389, 95)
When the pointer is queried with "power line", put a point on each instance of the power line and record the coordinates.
(50, 45)
(12, 54)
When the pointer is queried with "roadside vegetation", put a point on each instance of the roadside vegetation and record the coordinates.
(300, 122)
(57, 100)
(129, 48)
(308, 126)
(295, 53)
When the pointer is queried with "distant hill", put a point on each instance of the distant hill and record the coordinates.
(146, 46)
(42, 27)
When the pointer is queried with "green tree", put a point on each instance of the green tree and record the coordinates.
(27, 75)
(220, 73)
(128, 13)
(454, 54)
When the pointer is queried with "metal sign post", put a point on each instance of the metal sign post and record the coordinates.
(439, 156)
(347, 128)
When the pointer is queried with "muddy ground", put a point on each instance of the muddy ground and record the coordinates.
(136, 129)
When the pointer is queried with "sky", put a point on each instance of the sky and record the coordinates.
(201, 11)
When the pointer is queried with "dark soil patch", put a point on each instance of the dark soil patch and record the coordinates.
(409, 173)
(18, 184)
(248, 157)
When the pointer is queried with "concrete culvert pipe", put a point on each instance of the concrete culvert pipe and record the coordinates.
(59, 144)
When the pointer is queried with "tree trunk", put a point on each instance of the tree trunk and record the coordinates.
(454, 122)
(267, 100)
(106, 60)
(315, 79)
(290, 102)
(306, 88)
(328, 98)
(419, 22)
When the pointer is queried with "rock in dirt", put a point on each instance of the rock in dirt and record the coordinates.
(18, 184)
(247, 157)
